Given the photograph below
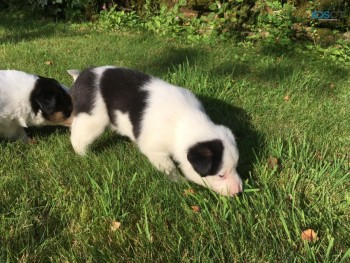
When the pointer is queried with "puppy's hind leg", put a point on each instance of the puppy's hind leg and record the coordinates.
(85, 129)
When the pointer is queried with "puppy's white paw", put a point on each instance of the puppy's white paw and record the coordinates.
(79, 148)
(173, 174)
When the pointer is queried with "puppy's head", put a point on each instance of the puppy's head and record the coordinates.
(213, 163)
(53, 100)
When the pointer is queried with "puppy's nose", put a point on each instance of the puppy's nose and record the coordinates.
(236, 189)
(236, 186)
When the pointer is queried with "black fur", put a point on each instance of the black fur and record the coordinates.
(85, 90)
(206, 157)
(49, 97)
(121, 90)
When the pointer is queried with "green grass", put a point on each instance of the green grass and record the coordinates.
(56, 206)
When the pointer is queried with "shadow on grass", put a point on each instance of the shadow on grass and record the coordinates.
(250, 142)
(45, 131)
(20, 27)
(234, 69)
(39, 132)
(296, 59)
(171, 58)
(108, 139)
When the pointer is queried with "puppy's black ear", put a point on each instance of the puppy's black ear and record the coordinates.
(44, 95)
(205, 157)
(47, 104)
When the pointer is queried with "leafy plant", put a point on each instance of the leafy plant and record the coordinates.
(167, 21)
(62, 9)
(118, 19)
(339, 53)
(275, 22)
(227, 16)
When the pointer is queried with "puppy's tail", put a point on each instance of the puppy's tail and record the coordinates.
(74, 73)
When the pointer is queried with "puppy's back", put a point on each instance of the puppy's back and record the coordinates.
(121, 90)
(15, 87)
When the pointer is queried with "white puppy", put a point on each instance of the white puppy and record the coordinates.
(30, 100)
(167, 122)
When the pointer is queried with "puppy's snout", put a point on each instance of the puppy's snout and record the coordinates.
(236, 188)
(229, 184)
(233, 184)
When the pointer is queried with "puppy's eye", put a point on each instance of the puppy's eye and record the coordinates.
(221, 175)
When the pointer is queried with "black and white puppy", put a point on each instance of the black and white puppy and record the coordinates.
(30, 100)
(167, 122)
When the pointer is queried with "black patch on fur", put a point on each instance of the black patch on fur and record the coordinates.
(121, 90)
(84, 88)
(49, 97)
(206, 157)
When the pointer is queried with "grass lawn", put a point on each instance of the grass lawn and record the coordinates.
(289, 111)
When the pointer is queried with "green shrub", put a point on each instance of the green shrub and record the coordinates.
(166, 21)
(118, 19)
(274, 23)
(59, 9)
(338, 53)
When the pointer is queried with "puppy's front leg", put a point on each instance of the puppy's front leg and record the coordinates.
(85, 129)
(22, 135)
(164, 164)
(15, 133)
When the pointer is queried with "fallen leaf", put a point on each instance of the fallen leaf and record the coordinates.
(286, 98)
(50, 63)
(189, 191)
(115, 225)
(264, 34)
(319, 156)
(279, 59)
(195, 208)
(272, 163)
(33, 141)
(309, 235)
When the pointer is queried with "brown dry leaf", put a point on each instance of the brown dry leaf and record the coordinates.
(332, 85)
(309, 235)
(189, 191)
(196, 208)
(50, 63)
(319, 155)
(115, 225)
(264, 34)
(286, 98)
(33, 141)
(272, 162)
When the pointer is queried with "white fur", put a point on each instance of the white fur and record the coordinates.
(15, 109)
(86, 128)
(124, 126)
(173, 122)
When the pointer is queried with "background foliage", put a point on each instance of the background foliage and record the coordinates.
(277, 25)
(222, 15)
